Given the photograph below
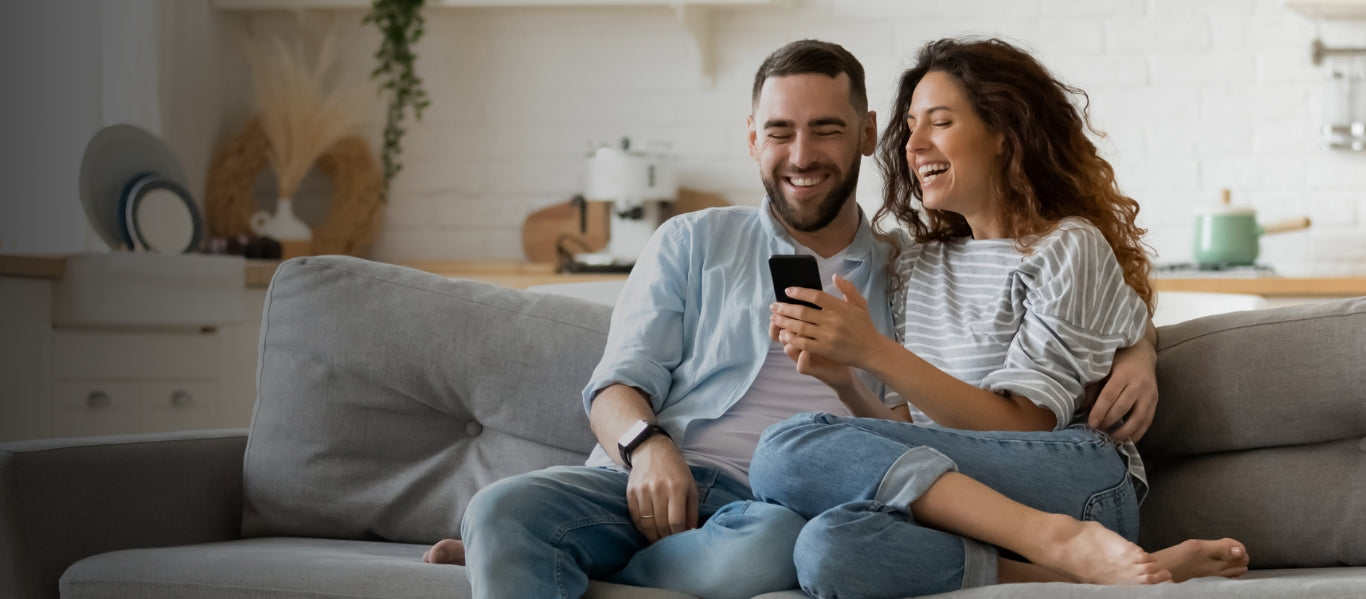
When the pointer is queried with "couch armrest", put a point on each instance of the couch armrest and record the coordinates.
(62, 500)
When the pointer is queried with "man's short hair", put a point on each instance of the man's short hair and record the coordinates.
(805, 57)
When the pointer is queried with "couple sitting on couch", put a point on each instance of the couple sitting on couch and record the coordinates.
(1025, 280)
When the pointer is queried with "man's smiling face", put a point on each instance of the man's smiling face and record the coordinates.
(809, 141)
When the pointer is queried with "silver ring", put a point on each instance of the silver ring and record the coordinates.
(646, 516)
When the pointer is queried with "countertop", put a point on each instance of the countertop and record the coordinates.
(509, 273)
(520, 275)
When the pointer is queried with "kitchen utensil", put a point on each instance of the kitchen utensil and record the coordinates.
(1229, 235)
(114, 157)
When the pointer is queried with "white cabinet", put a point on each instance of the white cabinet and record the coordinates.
(239, 345)
(25, 326)
(113, 382)
(73, 368)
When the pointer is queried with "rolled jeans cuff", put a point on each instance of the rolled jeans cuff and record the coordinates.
(911, 475)
(980, 564)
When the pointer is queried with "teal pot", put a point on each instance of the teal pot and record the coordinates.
(1230, 235)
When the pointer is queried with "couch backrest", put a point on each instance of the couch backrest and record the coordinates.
(1260, 434)
(387, 396)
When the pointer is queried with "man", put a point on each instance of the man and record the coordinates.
(690, 378)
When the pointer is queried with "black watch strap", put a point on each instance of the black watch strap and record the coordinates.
(626, 448)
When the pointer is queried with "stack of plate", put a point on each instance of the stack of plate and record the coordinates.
(134, 193)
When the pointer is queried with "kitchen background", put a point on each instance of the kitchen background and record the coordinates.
(1195, 95)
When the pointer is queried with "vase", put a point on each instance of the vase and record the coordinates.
(295, 238)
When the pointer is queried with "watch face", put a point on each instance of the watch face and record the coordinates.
(633, 433)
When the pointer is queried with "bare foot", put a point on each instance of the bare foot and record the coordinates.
(1195, 558)
(1088, 552)
(448, 551)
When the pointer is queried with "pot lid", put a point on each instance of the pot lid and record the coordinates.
(1226, 208)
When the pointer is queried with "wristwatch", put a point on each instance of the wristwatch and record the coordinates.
(634, 436)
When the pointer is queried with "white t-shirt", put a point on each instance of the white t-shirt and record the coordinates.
(778, 393)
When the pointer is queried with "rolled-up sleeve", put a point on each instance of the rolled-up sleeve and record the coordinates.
(646, 339)
(1079, 311)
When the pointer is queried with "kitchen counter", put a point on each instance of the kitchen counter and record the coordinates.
(509, 273)
(32, 267)
(1268, 286)
(520, 275)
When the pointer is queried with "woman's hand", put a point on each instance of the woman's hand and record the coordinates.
(840, 331)
(1126, 401)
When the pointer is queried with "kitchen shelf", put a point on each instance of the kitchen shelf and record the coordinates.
(694, 15)
(325, 4)
(1330, 9)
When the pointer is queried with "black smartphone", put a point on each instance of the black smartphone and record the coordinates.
(794, 270)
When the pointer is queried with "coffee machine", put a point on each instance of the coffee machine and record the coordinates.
(637, 184)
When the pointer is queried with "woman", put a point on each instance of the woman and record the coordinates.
(1027, 274)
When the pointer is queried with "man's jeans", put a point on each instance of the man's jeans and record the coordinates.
(544, 534)
(855, 479)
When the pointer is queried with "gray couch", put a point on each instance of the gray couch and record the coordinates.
(387, 396)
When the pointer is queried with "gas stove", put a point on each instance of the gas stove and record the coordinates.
(1192, 269)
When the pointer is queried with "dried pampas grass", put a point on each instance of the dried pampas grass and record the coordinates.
(299, 112)
(301, 121)
(357, 183)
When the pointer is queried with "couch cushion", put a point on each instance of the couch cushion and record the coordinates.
(1264, 378)
(387, 396)
(1328, 583)
(1295, 506)
(284, 568)
(292, 568)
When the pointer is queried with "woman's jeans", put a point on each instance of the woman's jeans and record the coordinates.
(544, 534)
(855, 479)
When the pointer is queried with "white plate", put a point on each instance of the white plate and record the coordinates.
(113, 158)
(160, 216)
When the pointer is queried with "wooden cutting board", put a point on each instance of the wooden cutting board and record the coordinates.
(559, 225)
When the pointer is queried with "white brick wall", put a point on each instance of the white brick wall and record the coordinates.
(1196, 95)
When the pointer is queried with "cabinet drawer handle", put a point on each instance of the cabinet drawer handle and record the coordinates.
(182, 399)
(98, 400)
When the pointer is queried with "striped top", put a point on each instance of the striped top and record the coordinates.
(1041, 325)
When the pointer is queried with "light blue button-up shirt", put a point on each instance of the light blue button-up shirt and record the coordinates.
(690, 327)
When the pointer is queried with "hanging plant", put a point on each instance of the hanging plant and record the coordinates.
(400, 24)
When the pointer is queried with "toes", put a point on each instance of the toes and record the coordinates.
(1155, 577)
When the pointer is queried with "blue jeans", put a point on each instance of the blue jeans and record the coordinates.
(855, 479)
(544, 534)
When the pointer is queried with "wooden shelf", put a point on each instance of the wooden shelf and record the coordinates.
(693, 15)
(1329, 9)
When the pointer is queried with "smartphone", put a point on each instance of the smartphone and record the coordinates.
(794, 270)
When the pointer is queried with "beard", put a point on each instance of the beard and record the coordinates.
(824, 211)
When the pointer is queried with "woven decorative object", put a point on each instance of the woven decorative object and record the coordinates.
(357, 185)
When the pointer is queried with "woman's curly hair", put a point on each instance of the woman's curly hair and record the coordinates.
(1048, 168)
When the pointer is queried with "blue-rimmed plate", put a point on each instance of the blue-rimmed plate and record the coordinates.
(159, 216)
(115, 156)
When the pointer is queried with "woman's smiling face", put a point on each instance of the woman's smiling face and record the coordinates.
(952, 152)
